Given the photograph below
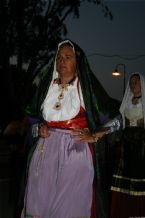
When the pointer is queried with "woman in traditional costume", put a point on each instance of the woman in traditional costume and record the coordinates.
(63, 172)
(128, 187)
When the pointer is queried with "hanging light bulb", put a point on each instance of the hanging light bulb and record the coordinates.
(116, 73)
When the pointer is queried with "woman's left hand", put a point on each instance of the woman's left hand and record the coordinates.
(84, 135)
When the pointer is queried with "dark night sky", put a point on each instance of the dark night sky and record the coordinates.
(123, 36)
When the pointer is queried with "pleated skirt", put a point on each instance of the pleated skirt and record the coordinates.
(60, 178)
(128, 185)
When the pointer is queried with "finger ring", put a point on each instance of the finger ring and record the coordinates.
(95, 137)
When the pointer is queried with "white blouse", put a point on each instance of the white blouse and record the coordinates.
(134, 112)
(70, 104)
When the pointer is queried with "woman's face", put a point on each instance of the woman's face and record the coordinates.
(66, 62)
(135, 85)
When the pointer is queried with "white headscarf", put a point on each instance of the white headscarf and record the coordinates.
(128, 94)
(55, 73)
(72, 99)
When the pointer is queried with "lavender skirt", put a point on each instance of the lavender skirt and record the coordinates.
(60, 178)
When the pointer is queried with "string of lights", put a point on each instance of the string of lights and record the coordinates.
(134, 57)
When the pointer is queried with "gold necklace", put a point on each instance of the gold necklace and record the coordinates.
(63, 88)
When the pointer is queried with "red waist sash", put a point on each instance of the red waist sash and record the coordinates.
(78, 122)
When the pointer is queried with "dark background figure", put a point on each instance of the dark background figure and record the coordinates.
(128, 184)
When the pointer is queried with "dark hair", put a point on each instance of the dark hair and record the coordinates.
(135, 74)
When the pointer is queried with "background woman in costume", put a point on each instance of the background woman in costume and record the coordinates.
(61, 171)
(128, 187)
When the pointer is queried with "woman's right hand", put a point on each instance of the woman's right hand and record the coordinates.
(43, 131)
(84, 135)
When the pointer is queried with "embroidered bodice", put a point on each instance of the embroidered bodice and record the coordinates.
(70, 104)
(134, 114)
